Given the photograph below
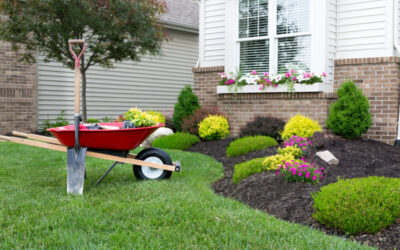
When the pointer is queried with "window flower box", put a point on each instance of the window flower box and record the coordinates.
(299, 88)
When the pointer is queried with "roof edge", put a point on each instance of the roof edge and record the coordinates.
(181, 27)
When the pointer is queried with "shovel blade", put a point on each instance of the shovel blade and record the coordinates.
(76, 160)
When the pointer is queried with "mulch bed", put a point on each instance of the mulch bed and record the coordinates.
(292, 201)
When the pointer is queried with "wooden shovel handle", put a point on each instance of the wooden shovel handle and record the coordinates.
(77, 72)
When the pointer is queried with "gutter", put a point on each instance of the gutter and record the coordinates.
(397, 47)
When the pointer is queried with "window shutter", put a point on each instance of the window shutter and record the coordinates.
(254, 55)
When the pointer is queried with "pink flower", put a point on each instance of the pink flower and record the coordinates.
(292, 71)
(314, 177)
(288, 74)
(261, 88)
(275, 85)
(300, 173)
(277, 173)
(307, 174)
(324, 74)
(294, 79)
(254, 72)
(303, 149)
(265, 73)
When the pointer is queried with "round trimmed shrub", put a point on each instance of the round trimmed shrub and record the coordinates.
(358, 205)
(214, 127)
(245, 169)
(186, 106)
(301, 126)
(248, 144)
(349, 117)
(263, 125)
(178, 140)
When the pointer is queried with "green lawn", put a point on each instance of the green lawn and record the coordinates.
(36, 212)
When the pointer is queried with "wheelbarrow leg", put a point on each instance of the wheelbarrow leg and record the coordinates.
(108, 171)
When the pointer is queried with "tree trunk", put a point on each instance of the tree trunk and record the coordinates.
(83, 73)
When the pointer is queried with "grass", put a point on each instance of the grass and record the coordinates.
(183, 212)
(178, 140)
(248, 144)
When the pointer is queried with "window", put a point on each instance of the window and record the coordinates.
(274, 35)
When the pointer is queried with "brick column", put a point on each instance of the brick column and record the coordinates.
(18, 90)
(379, 80)
(205, 84)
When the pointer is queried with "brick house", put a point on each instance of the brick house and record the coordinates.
(31, 93)
(348, 39)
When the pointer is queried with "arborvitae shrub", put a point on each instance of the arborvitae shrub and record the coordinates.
(190, 124)
(349, 117)
(186, 105)
(263, 125)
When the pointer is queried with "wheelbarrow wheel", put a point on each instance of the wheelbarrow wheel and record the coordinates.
(154, 155)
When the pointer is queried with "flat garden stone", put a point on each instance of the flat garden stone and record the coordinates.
(328, 157)
(156, 134)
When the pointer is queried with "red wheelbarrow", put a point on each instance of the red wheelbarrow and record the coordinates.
(79, 141)
(149, 164)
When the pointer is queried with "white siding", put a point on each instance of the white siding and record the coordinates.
(154, 83)
(364, 28)
(332, 28)
(212, 32)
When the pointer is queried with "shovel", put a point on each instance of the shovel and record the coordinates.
(76, 156)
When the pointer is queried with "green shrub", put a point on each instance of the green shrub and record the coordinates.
(92, 120)
(176, 141)
(107, 119)
(186, 105)
(273, 162)
(245, 169)
(358, 205)
(263, 125)
(214, 127)
(59, 122)
(349, 117)
(301, 126)
(248, 144)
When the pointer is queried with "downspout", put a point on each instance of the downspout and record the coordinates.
(397, 47)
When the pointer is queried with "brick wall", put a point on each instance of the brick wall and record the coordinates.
(18, 88)
(379, 80)
(377, 77)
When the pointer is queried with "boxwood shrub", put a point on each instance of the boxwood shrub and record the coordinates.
(245, 169)
(248, 144)
(176, 141)
(358, 205)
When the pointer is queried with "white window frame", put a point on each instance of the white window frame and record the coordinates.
(318, 32)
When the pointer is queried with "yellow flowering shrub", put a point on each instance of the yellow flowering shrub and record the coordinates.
(301, 126)
(292, 150)
(157, 116)
(214, 127)
(273, 162)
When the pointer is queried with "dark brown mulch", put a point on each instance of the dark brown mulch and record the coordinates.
(292, 201)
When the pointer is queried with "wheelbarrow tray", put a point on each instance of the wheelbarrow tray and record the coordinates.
(116, 139)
